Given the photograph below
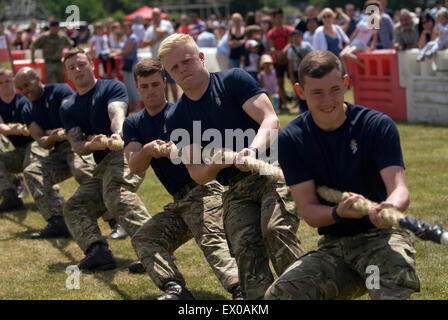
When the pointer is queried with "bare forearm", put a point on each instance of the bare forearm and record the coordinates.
(116, 125)
(202, 173)
(7, 130)
(45, 142)
(82, 148)
(317, 216)
(399, 198)
(78, 143)
(267, 133)
(117, 114)
(139, 161)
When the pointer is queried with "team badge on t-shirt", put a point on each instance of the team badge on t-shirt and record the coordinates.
(353, 146)
(218, 101)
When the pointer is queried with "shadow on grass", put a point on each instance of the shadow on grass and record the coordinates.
(61, 244)
(106, 277)
(19, 214)
(24, 235)
(18, 217)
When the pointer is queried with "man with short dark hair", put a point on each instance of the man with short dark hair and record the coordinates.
(196, 210)
(349, 148)
(97, 111)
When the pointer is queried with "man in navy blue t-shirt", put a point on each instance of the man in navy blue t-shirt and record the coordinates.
(12, 161)
(349, 148)
(98, 109)
(45, 126)
(231, 109)
(196, 210)
(43, 121)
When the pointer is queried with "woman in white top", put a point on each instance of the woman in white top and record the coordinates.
(361, 37)
(330, 36)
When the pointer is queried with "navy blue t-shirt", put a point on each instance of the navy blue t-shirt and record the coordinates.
(143, 128)
(12, 113)
(89, 111)
(220, 108)
(349, 158)
(45, 110)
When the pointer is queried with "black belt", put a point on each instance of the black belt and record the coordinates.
(184, 190)
(237, 177)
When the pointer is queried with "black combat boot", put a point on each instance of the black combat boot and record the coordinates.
(11, 201)
(98, 258)
(176, 291)
(237, 294)
(56, 228)
(137, 267)
(117, 231)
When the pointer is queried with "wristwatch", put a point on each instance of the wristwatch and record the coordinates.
(335, 215)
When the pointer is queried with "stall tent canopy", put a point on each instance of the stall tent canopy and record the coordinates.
(145, 12)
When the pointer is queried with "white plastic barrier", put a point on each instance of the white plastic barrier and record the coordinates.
(214, 61)
(144, 53)
(426, 86)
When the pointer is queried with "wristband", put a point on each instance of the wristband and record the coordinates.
(335, 215)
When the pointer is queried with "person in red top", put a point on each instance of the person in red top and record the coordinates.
(183, 27)
(278, 42)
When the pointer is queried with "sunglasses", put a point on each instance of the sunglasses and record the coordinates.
(327, 16)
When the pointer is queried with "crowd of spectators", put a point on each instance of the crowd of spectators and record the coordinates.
(266, 43)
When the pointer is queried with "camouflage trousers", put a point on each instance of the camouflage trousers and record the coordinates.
(4, 143)
(260, 221)
(113, 188)
(41, 177)
(339, 269)
(15, 161)
(196, 212)
(4, 147)
(54, 72)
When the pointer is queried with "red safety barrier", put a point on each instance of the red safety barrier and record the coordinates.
(377, 86)
(39, 67)
(109, 73)
(18, 54)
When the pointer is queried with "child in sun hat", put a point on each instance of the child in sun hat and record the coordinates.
(268, 78)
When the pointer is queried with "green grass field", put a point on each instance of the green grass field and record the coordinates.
(36, 269)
